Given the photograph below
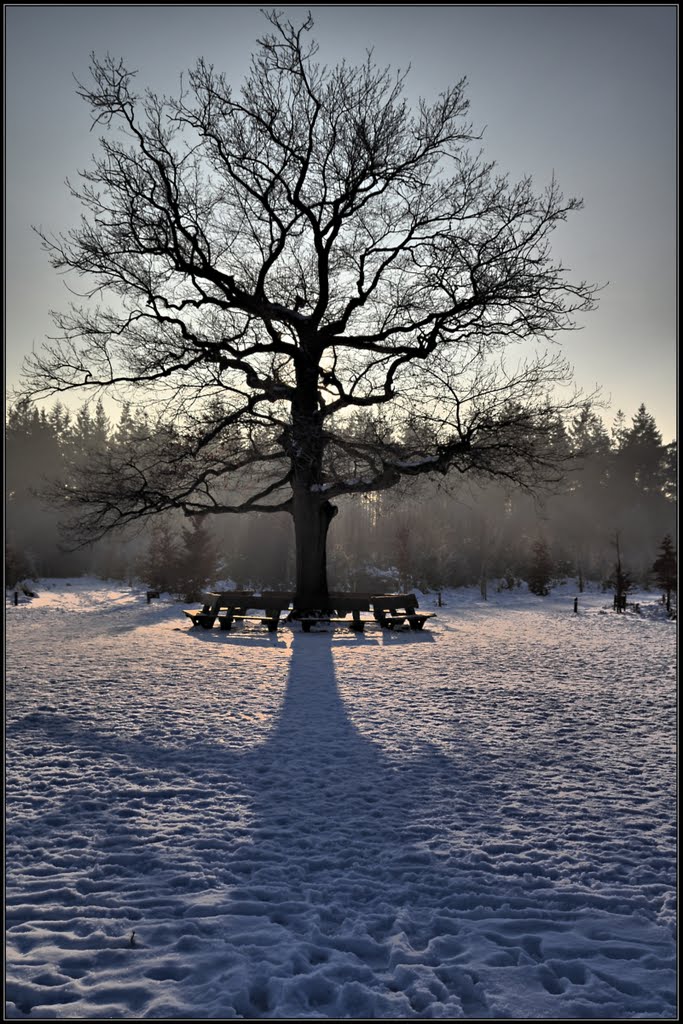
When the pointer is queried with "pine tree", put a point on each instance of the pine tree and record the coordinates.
(619, 429)
(198, 562)
(158, 567)
(621, 581)
(666, 570)
(541, 569)
(33, 459)
(670, 471)
(587, 434)
(644, 453)
(588, 490)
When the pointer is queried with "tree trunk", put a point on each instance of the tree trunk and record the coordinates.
(312, 518)
(312, 513)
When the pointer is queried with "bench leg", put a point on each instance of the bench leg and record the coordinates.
(226, 622)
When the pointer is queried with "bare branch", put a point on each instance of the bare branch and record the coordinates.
(280, 263)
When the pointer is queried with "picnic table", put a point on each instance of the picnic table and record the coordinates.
(237, 604)
(341, 606)
(390, 611)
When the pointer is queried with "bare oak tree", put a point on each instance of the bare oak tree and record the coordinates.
(283, 262)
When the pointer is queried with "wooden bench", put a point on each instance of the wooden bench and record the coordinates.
(392, 610)
(232, 605)
(389, 610)
(207, 615)
(272, 602)
(340, 606)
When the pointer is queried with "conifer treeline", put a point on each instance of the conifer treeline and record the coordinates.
(429, 535)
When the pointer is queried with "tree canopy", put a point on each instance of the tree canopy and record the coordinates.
(287, 269)
(665, 569)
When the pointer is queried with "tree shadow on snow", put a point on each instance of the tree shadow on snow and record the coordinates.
(332, 818)
(335, 840)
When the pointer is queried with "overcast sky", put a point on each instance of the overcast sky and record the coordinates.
(586, 91)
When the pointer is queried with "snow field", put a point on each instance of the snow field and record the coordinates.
(473, 821)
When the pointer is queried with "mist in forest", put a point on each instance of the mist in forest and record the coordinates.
(618, 483)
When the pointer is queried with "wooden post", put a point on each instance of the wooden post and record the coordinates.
(439, 601)
(16, 597)
(576, 605)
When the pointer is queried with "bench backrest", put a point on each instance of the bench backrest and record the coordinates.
(349, 603)
(380, 602)
(229, 597)
(275, 599)
(248, 599)
(281, 599)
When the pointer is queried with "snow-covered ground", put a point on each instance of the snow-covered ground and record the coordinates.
(473, 821)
